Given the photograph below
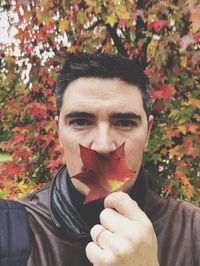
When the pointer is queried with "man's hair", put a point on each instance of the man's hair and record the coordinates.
(104, 66)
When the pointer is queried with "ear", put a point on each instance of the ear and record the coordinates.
(150, 125)
(56, 119)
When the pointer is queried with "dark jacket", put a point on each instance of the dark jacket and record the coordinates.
(60, 225)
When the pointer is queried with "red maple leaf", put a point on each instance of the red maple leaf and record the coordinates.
(103, 174)
(18, 138)
(166, 92)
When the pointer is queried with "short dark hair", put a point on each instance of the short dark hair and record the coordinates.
(102, 66)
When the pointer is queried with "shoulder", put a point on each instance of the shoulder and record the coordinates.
(37, 202)
(176, 208)
(176, 223)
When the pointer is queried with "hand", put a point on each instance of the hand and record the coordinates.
(125, 236)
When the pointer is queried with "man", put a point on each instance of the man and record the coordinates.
(103, 101)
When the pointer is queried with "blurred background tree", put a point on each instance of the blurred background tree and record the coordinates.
(164, 35)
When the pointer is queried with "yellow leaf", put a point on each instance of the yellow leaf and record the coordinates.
(122, 12)
(195, 18)
(174, 113)
(185, 180)
(152, 48)
(162, 125)
(176, 152)
(39, 14)
(183, 61)
(188, 190)
(63, 25)
(194, 102)
(115, 184)
(22, 187)
(47, 18)
(11, 59)
(91, 3)
(182, 129)
(97, 9)
(82, 17)
(44, 2)
(112, 19)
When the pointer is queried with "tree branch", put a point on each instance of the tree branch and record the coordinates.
(97, 23)
(116, 39)
(141, 27)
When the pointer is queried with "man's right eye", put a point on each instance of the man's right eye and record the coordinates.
(81, 122)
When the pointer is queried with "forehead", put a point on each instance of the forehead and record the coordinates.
(102, 94)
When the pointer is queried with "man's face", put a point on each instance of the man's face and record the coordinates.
(101, 114)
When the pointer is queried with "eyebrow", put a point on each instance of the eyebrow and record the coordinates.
(129, 115)
(79, 114)
(118, 115)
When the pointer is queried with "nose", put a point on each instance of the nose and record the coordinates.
(104, 141)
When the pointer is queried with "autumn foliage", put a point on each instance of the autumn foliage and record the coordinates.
(164, 35)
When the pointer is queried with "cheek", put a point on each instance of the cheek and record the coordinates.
(134, 153)
(71, 154)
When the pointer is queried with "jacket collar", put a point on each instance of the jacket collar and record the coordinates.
(68, 212)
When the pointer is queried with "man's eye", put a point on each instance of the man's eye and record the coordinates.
(80, 122)
(125, 123)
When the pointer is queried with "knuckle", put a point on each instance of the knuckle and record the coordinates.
(148, 227)
(104, 213)
(135, 239)
(96, 232)
(109, 260)
(95, 228)
(135, 233)
(122, 251)
(139, 234)
(125, 199)
(89, 248)
(121, 196)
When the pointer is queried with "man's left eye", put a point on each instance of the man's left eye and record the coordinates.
(125, 123)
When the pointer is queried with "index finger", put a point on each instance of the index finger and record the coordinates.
(124, 205)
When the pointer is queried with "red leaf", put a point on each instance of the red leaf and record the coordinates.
(149, 72)
(103, 174)
(189, 149)
(18, 138)
(196, 37)
(165, 92)
(13, 171)
(197, 136)
(122, 23)
(157, 24)
(168, 189)
(38, 110)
